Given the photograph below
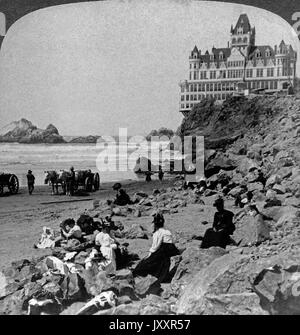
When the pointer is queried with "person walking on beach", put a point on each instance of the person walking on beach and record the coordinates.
(30, 181)
(71, 181)
(160, 173)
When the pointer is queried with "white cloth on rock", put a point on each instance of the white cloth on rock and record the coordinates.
(47, 239)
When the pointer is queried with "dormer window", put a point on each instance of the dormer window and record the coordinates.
(221, 55)
(233, 41)
(245, 40)
(212, 57)
(240, 31)
(258, 54)
(268, 53)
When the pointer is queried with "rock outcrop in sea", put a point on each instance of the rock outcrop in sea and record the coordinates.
(23, 131)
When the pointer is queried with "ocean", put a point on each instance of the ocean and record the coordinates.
(19, 158)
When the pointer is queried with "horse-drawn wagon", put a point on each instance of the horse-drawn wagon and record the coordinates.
(87, 179)
(83, 178)
(10, 181)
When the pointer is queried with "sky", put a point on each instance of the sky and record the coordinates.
(91, 68)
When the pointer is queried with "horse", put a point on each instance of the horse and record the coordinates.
(53, 178)
(66, 179)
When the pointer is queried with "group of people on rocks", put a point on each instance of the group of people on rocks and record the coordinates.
(157, 262)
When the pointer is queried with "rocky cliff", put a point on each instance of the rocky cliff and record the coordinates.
(23, 131)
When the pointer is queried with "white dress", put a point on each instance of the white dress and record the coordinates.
(107, 247)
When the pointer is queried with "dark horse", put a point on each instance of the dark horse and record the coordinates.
(55, 179)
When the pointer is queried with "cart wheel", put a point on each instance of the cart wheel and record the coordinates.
(13, 184)
(88, 184)
(1, 189)
(96, 181)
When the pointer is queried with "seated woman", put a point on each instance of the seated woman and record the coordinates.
(223, 227)
(69, 230)
(107, 245)
(157, 263)
(122, 198)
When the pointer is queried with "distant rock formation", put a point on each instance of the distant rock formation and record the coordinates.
(160, 132)
(85, 139)
(23, 131)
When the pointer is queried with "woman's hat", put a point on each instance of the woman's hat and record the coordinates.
(158, 218)
(218, 202)
(29, 171)
(116, 186)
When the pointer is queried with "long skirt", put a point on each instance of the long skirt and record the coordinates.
(158, 263)
(213, 238)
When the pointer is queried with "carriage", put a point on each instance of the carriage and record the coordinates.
(10, 181)
(89, 180)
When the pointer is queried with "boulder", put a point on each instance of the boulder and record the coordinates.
(136, 231)
(193, 260)
(73, 288)
(247, 165)
(251, 230)
(146, 285)
(229, 279)
(279, 289)
(272, 180)
(255, 186)
(279, 189)
(96, 282)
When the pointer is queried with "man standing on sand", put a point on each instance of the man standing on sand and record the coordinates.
(160, 173)
(30, 181)
(72, 181)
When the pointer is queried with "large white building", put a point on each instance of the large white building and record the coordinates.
(217, 74)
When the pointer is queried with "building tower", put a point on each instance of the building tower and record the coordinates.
(243, 35)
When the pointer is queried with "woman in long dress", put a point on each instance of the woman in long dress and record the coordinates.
(108, 245)
(157, 263)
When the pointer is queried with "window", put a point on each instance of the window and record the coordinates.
(249, 73)
(221, 55)
(212, 74)
(240, 40)
(222, 74)
(233, 41)
(182, 98)
(245, 40)
(259, 73)
(270, 72)
(203, 74)
(258, 54)
(187, 98)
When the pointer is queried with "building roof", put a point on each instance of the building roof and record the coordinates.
(243, 22)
